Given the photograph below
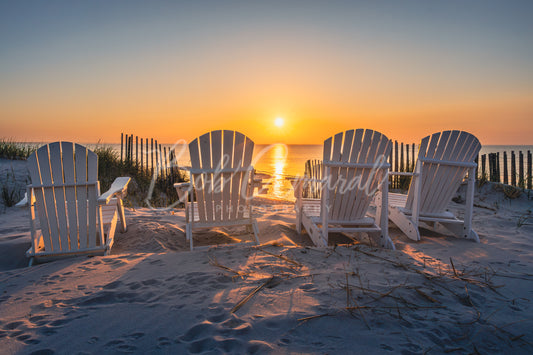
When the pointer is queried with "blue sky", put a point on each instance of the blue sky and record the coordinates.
(201, 65)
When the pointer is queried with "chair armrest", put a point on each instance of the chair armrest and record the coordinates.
(182, 189)
(402, 174)
(118, 189)
(24, 202)
(258, 183)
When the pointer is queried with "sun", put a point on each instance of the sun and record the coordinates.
(279, 122)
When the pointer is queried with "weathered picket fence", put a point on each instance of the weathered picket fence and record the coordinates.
(511, 168)
(149, 156)
(506, 170)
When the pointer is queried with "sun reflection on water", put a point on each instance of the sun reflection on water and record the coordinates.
(278, 163)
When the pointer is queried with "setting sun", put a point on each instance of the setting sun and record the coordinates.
(279, 122)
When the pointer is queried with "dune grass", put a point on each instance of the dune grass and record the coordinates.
(15, 151)
(110, 166)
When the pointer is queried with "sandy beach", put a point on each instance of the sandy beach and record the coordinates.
(153, 295)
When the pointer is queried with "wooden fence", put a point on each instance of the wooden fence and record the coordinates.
(513, 168)
(149, 156)
(503, 168)
(402, 159)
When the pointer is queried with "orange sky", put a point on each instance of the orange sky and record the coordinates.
(178, 71)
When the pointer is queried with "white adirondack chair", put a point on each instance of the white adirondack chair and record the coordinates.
(444, 159)
(68, 216)
(354, 166)
(221, 183)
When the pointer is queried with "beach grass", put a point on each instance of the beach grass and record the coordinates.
(110, 166)
(15, 151)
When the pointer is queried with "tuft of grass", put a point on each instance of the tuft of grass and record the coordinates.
(523, 219)
(10, 196)
(511, 192)
(12, 190)
(15, 151)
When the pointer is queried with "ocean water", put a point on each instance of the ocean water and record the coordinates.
(280, 161)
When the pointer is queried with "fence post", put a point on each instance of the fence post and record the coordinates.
(513, 169)
(413, 157)
(407, 167)
(166, 163)
(152, 153)
(390, 163)
(521, 177)
(483, 165)
(476, 171)
(396, 163)
(529, 169)
(505, 170)
(142, 155)
(498, 175)
(401, 158)
(491, 167)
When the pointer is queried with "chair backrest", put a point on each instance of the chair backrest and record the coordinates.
(221, 172)
(64, 182)
(353, 163)
(439, 182)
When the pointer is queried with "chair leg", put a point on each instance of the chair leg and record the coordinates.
(256, 231)
(404, 223)
(298, 211)
(188, 234)
(122, 216)
(459, 231)
(474, 236)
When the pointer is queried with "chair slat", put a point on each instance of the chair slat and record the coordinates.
(429, 171)
(441, 174)
(226, 177)
(216, 163)
(238, 151)
(352, 175)
(359, 173)
(33, 166)
(46, 178)
(57, 177)
(465, 150)
(246, 189)
(92, 194)
(197, 179)
(334, 173)
(67, 150)
(339, 204)
(80, 157)
(205, 154)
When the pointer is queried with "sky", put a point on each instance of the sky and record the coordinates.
(86, 71)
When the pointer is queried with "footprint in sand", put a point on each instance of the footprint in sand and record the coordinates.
(43, 352)
(163, 342)
(309, 287)
(120, 346)
(113, 285)
(198, 331)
